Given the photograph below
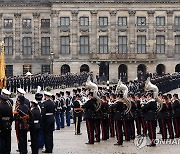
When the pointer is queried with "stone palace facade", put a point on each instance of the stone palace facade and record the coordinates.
(111, 38)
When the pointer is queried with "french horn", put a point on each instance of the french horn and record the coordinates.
(124, 88)
(94, 87)
(149, 86)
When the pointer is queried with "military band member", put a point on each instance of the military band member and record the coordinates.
(48, 122)
(176, 116)
(89, 111)
(105, 118)
(118, 108)
(35, 126)
(150, 117)
(77, 112)
(6, 118)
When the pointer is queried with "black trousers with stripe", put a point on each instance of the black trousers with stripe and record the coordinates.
(90, 130)
(119, 133)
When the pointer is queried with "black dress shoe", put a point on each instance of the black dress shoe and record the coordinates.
(118, 144)
(89, 143)
(46, 151)
(97, 141)
(79, 134)
(151, 145)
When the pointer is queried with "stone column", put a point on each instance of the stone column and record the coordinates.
(17, 36)
(54, 33)
(74, 30)
(113, 31)
(169, 45)
(132, 31)
(37, 49)
(93, 37)
(151, 37)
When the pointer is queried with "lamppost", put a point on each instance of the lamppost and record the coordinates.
(52, 60)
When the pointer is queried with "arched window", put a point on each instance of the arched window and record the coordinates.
(122, 73)
(160, 69)
(84, 68)
(141, 72)
(65, 69)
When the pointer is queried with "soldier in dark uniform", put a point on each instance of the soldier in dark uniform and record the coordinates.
(150, 117)
(118, 118)
(176, 116)
(57, 111)
(77, 112)
(48, 122)
(68, 107)
(38, 98)
(89, 111)
(6, 118)
(35, 126)
(21, 92)
(22, 117)
(104, 118)
(63, 107)
(164, 119)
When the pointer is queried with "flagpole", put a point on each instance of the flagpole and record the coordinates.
(2, 67)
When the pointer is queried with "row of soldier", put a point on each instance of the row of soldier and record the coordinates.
(30, 82)
(39, 117)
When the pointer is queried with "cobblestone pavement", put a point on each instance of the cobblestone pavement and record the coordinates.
(65, 142)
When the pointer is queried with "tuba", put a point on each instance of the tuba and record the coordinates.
(94, 87)
(124, 88)
(149, 86)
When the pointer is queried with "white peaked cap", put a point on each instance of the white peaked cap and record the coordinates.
(29, 73)
(5, 91)
(20, 90)
(47, 93)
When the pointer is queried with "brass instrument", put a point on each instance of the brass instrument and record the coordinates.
(124, 88)
(94, 87)
(149, 86)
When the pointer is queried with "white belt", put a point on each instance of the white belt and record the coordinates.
(49, 113)
(58, 108)
(36, 121)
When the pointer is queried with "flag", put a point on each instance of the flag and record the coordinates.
(2, 68)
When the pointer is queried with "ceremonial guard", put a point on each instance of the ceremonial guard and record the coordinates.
(35, 126)
(38, 98)
(104, 118)
(7, 93)
(21, 92)
(150, 117)
(176, 116)
(6, 119)
(89, 111)
(22, 117)
(48, 122)
(63, 107)
(68, 107)
(118, 108)
(57, 111)
(77, 112)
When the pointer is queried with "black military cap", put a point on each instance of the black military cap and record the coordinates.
(58, 94)
(176, 95)
(53, 97)
(78, 95)
(74, 90)
(90, 93)
(165, 97)
(20, 99)
(68, 92)
(99, 88)
(79, 90)
(3, 98)
(61, 92)
(38, 96)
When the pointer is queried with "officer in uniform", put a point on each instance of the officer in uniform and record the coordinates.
(89, 111)
(63, 107)
(22, 118)
(38, 98)
(77, 112)
(6, 118)
(21, 92)
(35, 126)
(68, 107)
(7, 93)
(118, 118)
(48, 122)
(57, 112)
